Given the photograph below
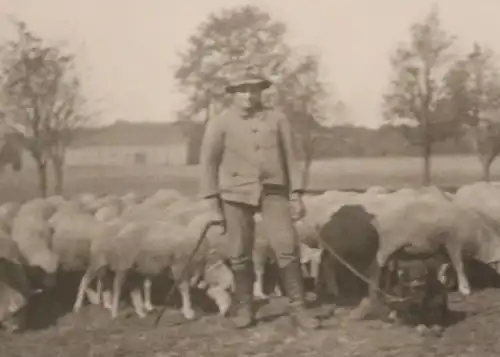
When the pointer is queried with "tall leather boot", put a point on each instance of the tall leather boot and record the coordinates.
(243, 310)
(294, 288)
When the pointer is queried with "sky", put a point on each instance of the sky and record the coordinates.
(127, 49)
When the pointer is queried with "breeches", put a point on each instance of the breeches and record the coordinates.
(276, 227)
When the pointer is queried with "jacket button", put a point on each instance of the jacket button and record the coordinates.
(254, 130)
(234, 174)
(257, 147)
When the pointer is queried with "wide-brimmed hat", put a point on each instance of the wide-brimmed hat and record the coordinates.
(249, 80)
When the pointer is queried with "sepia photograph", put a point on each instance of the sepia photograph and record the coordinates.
(266, 178)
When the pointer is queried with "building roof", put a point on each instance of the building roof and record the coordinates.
(133, 134)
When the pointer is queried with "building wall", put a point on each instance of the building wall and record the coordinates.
(123, 155)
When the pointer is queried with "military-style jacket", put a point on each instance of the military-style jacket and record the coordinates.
(240, 154)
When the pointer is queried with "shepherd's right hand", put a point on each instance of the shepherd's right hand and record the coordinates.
(215, 212)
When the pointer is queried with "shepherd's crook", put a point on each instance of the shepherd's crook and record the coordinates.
(184, 270)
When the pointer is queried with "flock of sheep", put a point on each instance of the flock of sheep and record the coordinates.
(113, 239)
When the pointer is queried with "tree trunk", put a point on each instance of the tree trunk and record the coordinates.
(42, 178)
(308, 159)
(196, 137)
(486, 161)
(194, 145)
(486, 170)
(306, 173)
(427, 153)
(58, 168)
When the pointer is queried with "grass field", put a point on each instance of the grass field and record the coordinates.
(91, 333)
(342, 173)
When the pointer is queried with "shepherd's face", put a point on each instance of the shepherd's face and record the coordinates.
(248, 97)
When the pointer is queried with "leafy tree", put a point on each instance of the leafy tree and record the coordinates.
(224, 44)
(418, 92)
(237, 38)
(42, 100)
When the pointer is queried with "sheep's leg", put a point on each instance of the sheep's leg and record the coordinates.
(371, 305)
(136, 297)
(99, 290)
(221, 297)
(107, 299)
(277, 290)
(84, 284)
(258, 285)
(455, 254)
(94, 297)
(105, 279)
(315, 263)
(117, 289)
(187, 307)
(305, 269)
(148, 305)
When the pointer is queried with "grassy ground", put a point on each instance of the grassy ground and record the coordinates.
(91, 333)
(331, 174)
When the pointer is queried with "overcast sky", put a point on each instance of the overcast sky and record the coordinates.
(127, 48)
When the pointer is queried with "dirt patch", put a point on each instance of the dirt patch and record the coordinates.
(92, 333)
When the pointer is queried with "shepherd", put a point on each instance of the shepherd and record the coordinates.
(248, 166)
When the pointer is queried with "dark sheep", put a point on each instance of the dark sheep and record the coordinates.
(351, 235)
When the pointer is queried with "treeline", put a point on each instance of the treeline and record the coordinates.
(338, 141)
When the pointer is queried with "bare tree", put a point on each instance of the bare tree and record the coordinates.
(67, 117)
(42, 100)
(232, 40)
(417, 91)
(485, 139)
(475, 87)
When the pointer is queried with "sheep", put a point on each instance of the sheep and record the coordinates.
(87, 199)
(100, 247)
(108, 212)
(7, 213)
(32, 233)
(157, 206)
(118, 253)
(73, 231)
(149, 247)
(14, 287)
(162, 198)
(131, 199)
(154, 208)
(105, 201)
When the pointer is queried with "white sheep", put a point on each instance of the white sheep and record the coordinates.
(156, 206)
(32, 233)
(150, 247)
(162, 198)
(99, 260)
(105, 201)
(74, 229)
(132, 198)
(87, 199)
(7, 213)
(108, 212)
